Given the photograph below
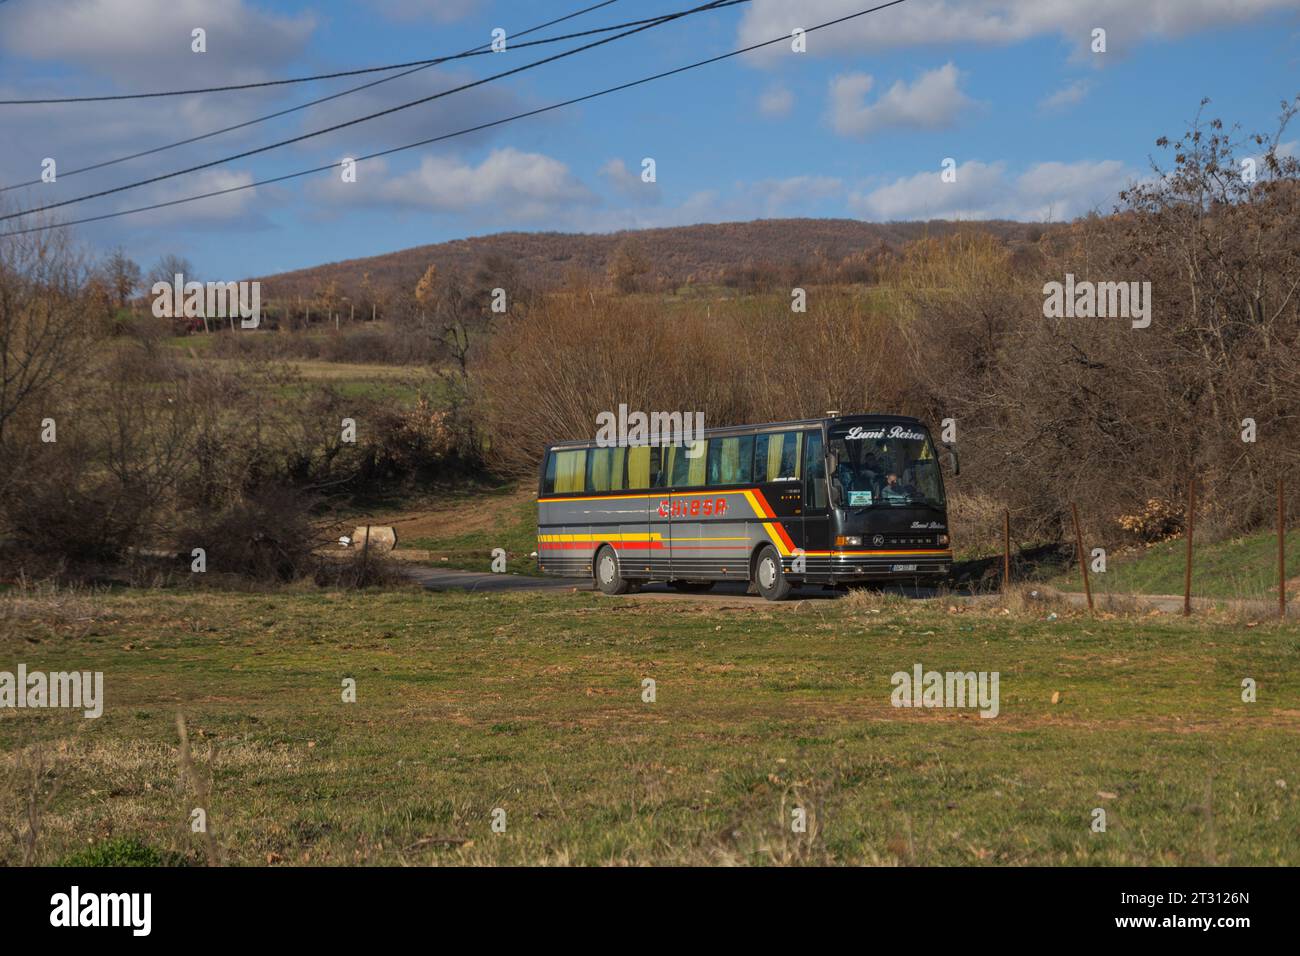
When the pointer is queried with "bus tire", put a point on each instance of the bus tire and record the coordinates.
(768, 575)
(609, 578)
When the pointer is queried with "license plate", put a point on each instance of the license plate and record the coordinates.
(903, 567)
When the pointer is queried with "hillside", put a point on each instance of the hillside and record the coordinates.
(700, 253)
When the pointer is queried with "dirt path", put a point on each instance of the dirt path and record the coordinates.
(724, 593)
(729, 594)
(1171, 603)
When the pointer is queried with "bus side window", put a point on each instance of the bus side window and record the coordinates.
(661, 468)
(642, 466)
(731, 460)
(814, 470)
(599, 469)
(548, 480)
(618, 468)
(688, 471)
(570, 470)
(776, 457)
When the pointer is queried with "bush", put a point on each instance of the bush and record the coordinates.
(268, 536)
(122, 851)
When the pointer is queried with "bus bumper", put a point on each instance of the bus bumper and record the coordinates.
(848, 568)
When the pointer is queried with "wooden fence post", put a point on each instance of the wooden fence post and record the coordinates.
(1281, 548)
(1083, 562)
(1191, 526)
(1006, 550)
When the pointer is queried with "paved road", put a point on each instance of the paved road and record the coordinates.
(447, 579)
(1173, 603)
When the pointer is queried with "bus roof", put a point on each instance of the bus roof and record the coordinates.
(731, 430)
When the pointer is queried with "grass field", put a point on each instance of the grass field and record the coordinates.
(1244, 567)
(533, 704)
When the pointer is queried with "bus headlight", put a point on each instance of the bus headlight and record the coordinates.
(848, 540)
(941, 540)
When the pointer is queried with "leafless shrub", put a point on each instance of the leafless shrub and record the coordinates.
(583, 351)
(28, 788)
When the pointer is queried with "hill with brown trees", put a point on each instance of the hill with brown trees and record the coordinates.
(732, 253)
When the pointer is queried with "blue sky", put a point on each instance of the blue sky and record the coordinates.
(857, 126)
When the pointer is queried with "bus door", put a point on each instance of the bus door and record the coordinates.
(816, 507)
(777, 470)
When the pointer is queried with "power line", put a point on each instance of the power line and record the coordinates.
(363, 119)
(433, 61)
(462, 132)
(310, 103)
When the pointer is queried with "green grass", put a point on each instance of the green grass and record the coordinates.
(184, 343)
(1243, 567)
(515, 530)
(532, 703)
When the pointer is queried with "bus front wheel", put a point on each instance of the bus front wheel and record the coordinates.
(609, 578)
(769, 577)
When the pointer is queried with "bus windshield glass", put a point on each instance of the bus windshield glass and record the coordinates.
(884, 465)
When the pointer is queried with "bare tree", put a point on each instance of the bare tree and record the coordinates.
(123, 277)
(166, 269)
(46, 319)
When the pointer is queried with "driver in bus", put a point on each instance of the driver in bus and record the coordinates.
(894, 489)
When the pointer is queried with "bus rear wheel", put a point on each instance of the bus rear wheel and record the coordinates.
(769, 577)
(609, 578)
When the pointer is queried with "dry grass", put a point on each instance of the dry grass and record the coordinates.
(531, 703)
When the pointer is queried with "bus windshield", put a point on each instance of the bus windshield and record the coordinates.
(884, 465)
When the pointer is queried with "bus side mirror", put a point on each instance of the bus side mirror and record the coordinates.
(954, 463)
(833, 468)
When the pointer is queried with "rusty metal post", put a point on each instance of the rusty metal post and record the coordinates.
(1191, 527)
(1006, 550)
(1083, 563)
(365, 557)
(1281, 548)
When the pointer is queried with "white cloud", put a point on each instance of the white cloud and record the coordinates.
(932, 102)
(147, 42)
(235, 207)
(463, 110)
(778, 197)
(508, 185)
(926, 22)
(628, 183)
(1049, 191)
(776, 101)
(1067, 96)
